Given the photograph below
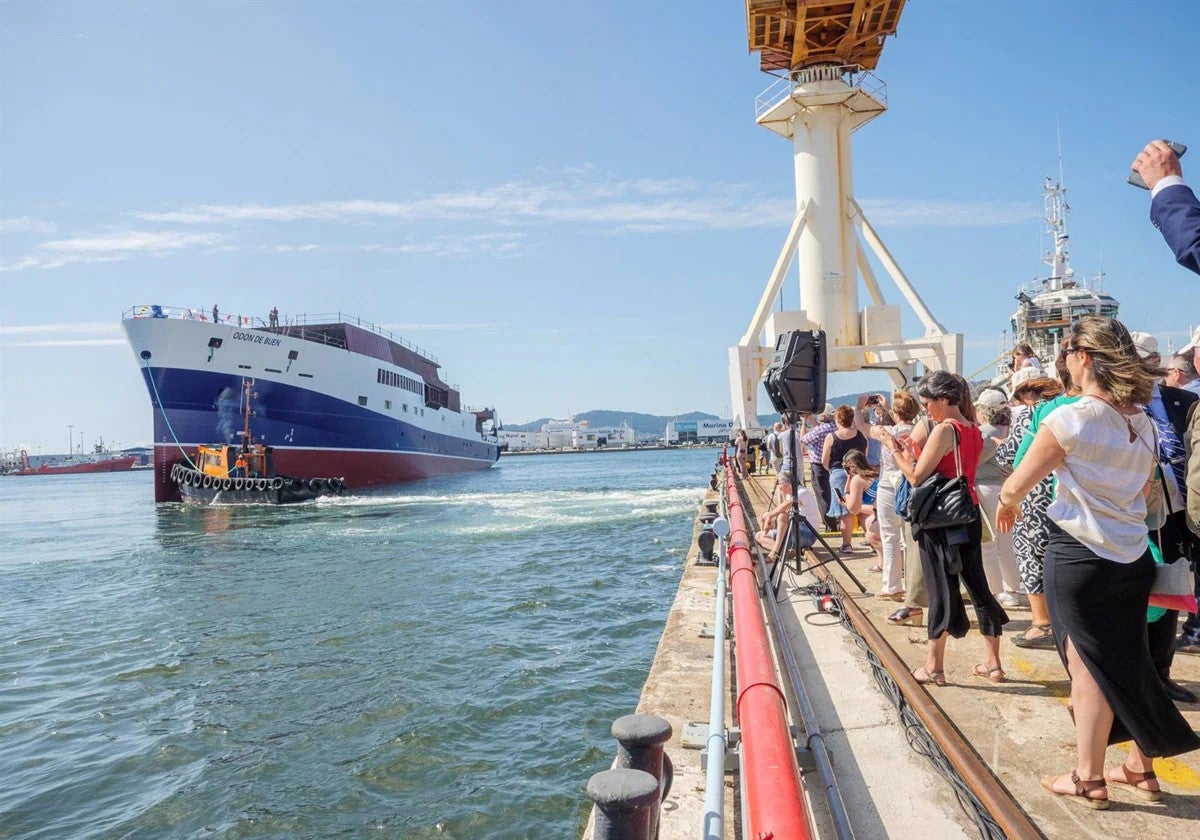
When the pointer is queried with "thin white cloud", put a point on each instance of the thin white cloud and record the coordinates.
(289, 249)
(646, 205)
(112, 247)
(155, 242)
(891, 212)
(505, 244)
(439, 327)
(69, 342)
(82, 328)
(26, 224)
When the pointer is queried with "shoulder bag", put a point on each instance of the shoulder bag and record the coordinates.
(940, 502)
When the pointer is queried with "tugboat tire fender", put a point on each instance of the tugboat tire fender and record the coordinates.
(206, 482)
(239, 484)
(276, 483)
(316, 484)
(297, 485)
(226, 483)
(337, 485)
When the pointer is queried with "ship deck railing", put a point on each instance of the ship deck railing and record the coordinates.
(254, 322)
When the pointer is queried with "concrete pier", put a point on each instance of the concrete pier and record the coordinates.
(1019, 729)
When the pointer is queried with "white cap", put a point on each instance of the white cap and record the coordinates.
(1023, 375)
(829, 409)
(1191, 345)
(1146, 344)
(992, 396)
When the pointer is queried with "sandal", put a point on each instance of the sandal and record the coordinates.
(875, 568)
(1083, 791)
(924, 676)
(1131, 779)
(995, 675)
(1044, 638)
(905, 615)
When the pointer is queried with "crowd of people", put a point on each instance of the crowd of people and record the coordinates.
(1060, 470)
(1076, 480)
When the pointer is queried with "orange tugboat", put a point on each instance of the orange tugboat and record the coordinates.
(245, 474)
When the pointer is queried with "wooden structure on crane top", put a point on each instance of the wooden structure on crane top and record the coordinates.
(791, 34)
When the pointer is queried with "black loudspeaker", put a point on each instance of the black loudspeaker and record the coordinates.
(795, 379)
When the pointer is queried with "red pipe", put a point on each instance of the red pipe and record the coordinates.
(774, 799)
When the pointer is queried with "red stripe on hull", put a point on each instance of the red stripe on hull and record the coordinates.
(361, 470)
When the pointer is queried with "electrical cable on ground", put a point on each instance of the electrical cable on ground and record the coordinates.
(919, 739)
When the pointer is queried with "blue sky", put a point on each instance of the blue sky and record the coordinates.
(569, 204)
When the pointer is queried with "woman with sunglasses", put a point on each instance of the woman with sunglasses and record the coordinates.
(1098, 566)
(949, 555)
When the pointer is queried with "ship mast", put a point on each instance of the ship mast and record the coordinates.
(1062, 276)
(246, 386)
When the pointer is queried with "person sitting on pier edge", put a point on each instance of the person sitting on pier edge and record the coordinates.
(1174, 209)
(897, 422)
(1032, 390)
(843, 439)
(773, 522)
(1099, 568)
(949, 555)
(861, 492)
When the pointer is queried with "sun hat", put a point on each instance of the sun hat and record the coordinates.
(1191, 345)
(1146, 344)
(993, 396)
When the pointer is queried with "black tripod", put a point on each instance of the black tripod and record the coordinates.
(791, 535)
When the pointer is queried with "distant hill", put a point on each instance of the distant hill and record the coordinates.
(652, 424)
(646, 424)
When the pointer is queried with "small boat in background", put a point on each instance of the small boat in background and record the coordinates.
(101, 461)
(245, 474)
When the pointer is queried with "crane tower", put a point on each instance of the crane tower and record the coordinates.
(823, 52)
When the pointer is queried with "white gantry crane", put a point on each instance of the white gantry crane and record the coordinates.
(825, 52)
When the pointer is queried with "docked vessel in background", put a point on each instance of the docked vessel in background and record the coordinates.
(1047, 308)
(100, 461)
(336, 396)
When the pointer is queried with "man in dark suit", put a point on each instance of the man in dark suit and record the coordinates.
(1168, 407)
(1174, 209)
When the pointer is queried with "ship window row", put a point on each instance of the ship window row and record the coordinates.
(399, 380)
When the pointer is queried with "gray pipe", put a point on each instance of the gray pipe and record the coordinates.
(816, 743)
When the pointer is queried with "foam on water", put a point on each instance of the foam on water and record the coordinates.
(437, 660)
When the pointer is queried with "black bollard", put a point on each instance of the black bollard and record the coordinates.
(641, 739)
(626, 804)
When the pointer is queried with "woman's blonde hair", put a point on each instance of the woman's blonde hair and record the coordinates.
(905, 406)
(1118, 368)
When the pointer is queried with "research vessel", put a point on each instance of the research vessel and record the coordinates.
(336, 396)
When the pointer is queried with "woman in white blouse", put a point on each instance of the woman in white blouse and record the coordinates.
(1098, 567)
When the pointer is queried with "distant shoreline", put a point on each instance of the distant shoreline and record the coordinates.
(609, 449)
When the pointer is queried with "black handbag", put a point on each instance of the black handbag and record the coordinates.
(940, 502)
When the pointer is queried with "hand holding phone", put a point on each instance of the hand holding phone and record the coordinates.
(1135, 178)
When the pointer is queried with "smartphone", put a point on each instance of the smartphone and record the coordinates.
(1136, 179)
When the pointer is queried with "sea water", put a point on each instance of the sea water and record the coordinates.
(439, 660)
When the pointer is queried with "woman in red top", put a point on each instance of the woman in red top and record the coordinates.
(951, 554)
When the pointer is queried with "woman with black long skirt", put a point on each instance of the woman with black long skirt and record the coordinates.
(1098, 566)
(952, 555)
